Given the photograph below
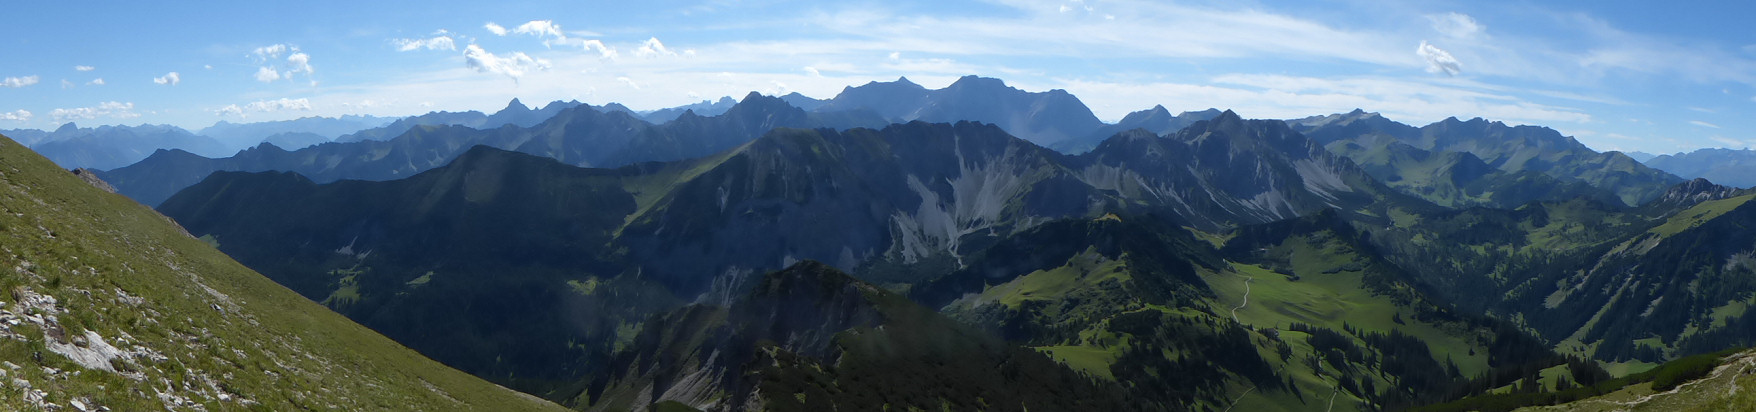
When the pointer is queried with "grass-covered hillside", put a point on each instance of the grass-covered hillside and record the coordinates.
(110, 305)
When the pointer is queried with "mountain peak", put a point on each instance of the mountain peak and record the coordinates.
(1695, 191)
(1228, 116)
(978, 82)
(903, 80)
(515, 104)
(69, 127)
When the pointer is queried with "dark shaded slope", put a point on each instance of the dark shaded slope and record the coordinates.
(812, 338)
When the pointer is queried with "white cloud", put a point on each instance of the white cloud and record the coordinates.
(1704, 124)
(207, 66)
(1701, 109)
(262, 106)
(266, 53)
(19, 115)
(540, 28)
(274, 68)
(66, 84)
(267, 75)
(171, 78)
(112, 109)
(813, 71)
(16, 82)
(512, 65)
(653, 48)
(440, 42)
(495, 28)
(629, 82)
(552, 35)
(1438, 60)
(300, 63)
(1456, 25)
(84, 68)
(96, 82)
(1729, 142)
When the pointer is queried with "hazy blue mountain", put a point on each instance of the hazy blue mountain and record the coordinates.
(803, 102)
(1641, 157)
(1731, 167)
(295, 140)
(27, 137)
(1044, 118)
(581, 136)
(517, 114)
(238, 136)
(107, 147)
(703, 108)
(1156, 120)
(470, 119)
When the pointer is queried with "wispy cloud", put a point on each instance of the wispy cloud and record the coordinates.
(653, 48)
(1701, 109)
(17, 82)
(442, 41)
(1704, 124)
(1438, 60)
(171, 79)
(552, 35)
(495, 28)
(96, 82)
(1456, 25)
(19, 115)
(261, 106)
(513, 65)
(111, 109)
(84, 68)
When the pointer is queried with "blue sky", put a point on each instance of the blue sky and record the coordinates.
(1624, 76)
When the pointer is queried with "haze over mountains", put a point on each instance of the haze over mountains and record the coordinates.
(984, 247)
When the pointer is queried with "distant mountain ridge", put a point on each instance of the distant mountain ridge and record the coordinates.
(580, 135)
(1044, 118)
(1731, 167)
(1477, 162)
(107, 147)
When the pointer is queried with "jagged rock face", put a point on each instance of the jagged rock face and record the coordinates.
(907, 192)
(1229, 170)
(1696, 191)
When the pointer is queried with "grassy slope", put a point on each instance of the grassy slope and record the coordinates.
(198, 328)
(1730, 387)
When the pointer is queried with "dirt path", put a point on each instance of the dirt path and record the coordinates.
(1246, 302)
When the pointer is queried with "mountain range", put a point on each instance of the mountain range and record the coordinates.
(981, 247)
(917, 206)
(1731, 167)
